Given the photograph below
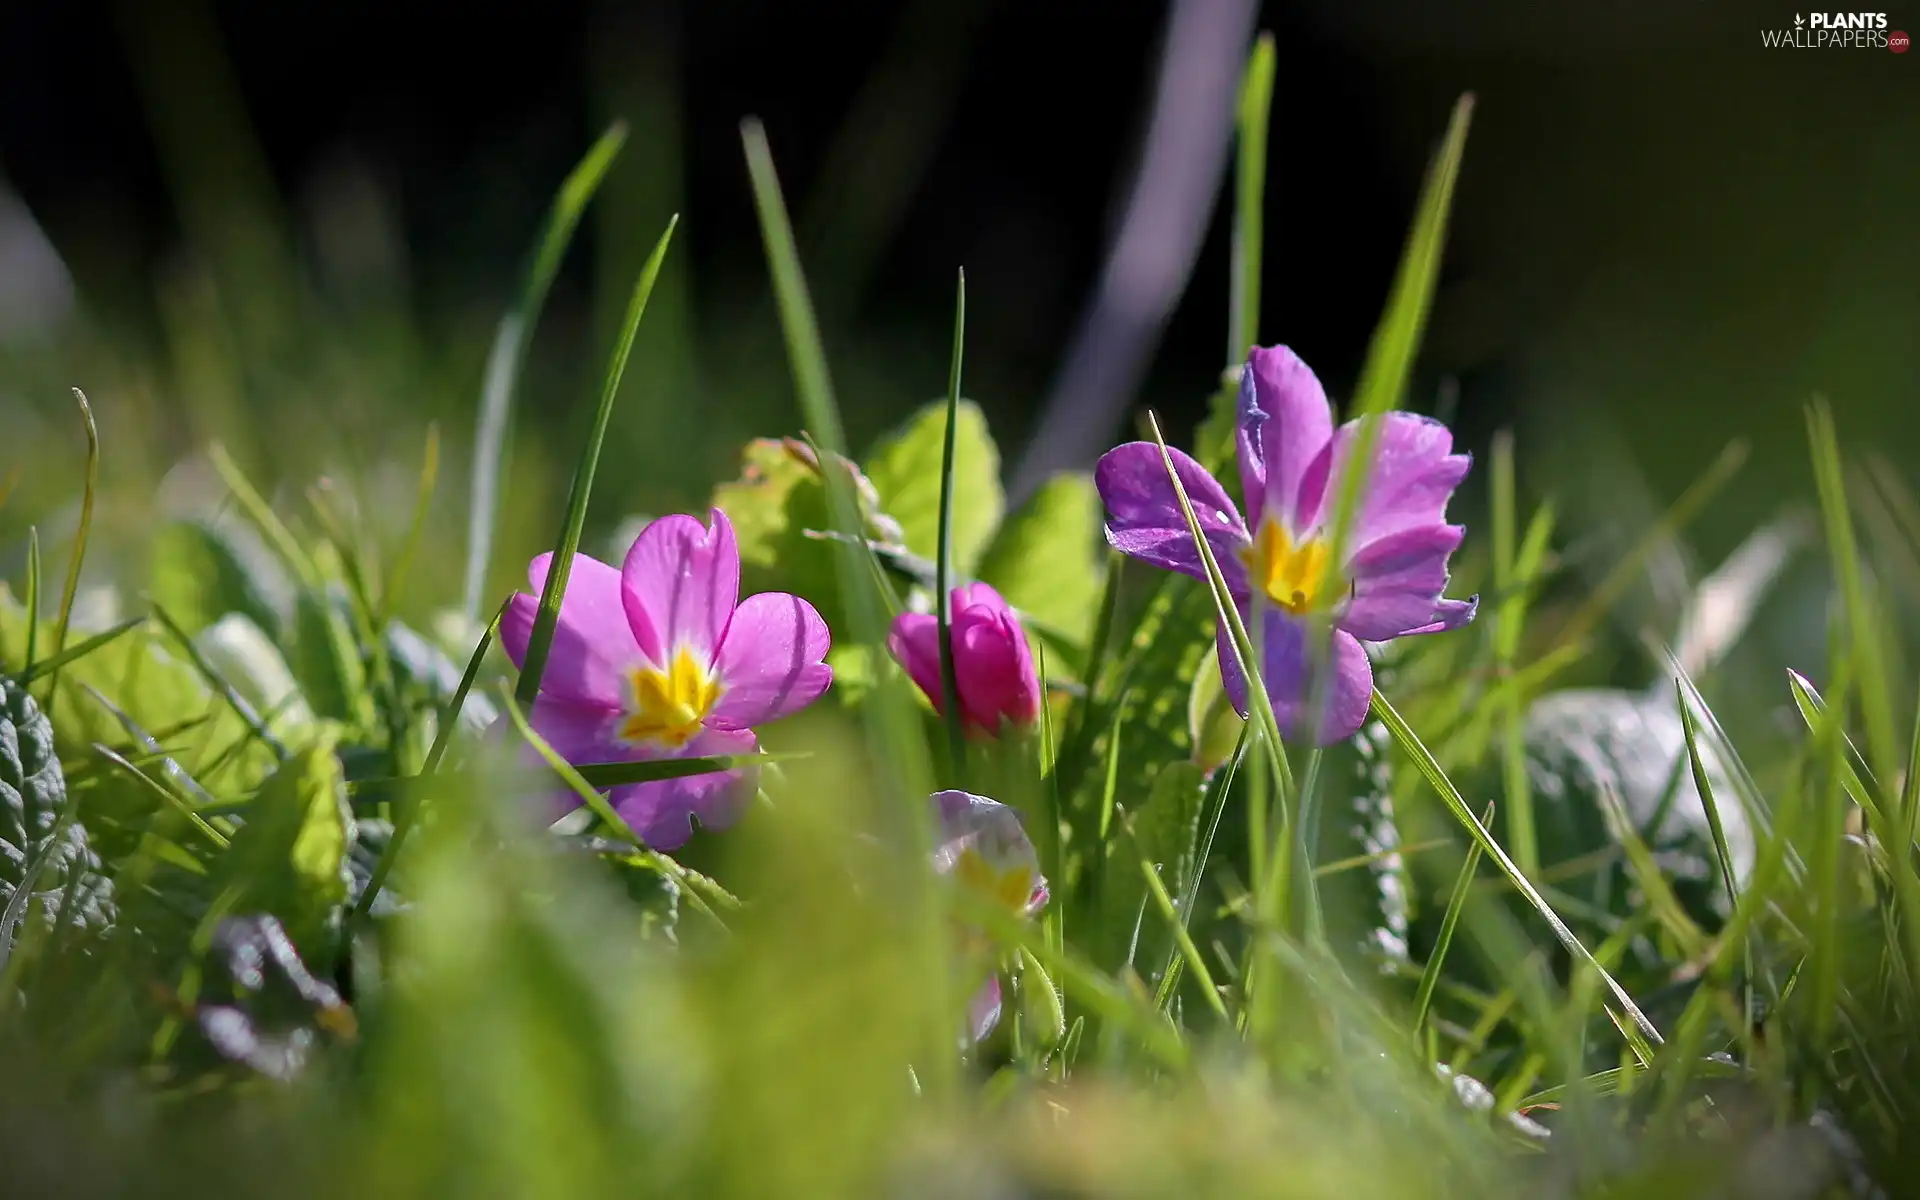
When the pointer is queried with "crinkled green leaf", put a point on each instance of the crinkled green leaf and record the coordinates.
(38, 849)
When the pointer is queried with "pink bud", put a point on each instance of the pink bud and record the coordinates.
(992, 665)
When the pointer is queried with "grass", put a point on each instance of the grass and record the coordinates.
(347, 949)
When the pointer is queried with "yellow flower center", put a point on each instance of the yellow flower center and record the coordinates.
(668, 706)
(1012, 887)
(1292, 576)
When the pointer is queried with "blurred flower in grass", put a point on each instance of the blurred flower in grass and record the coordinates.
(992, 663)
(983, 846)
(660, 658)
(1293, 595)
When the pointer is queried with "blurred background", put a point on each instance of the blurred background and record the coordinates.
(295, 228)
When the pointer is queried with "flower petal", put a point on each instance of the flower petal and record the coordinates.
(989, 828)
(914, 642)
(1448, 615)
(980, 596)
(993, 668)
(1286, 671)
(770, 661)
(983, 1010)
(593, 647)
(1285, 421)
(578, 733)
(1232, 678)
(680, 584)
(1413, 474)
(662, 812)
(1144, 519)
(1397, 582)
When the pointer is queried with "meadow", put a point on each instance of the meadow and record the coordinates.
(1252, 816)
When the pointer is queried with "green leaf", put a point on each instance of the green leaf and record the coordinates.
(290, 857)
(905, 469)
(1046, 558)
(1212, 725)
(331, 671)
(776, 505)
(200, 572)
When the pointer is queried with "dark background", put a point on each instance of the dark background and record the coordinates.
(1665, 236)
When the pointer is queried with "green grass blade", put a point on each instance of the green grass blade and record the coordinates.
(604, 810)
(410, 547)
(449, 721)
(509, 351)
(32, 601)
(72, 586)
(272, 529)
(1910, 786)
(1430, 974)
(1856, 780)
(943, 564)
(1703, 783)
(80, 650)
(1188, 951)
(1869, 657)
(1423, 758)
(894, 730)
(1856, 773)
(1397, 339)
(1228, 614)
(1099, 994)
(1506, 636)
(540, 641)
(1212, 807)
(1249, 200)
(168, 796)
(1828, 832)
(218, 682)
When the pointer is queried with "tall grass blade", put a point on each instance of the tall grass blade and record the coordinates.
(1430, 767)
(509, 352)
(1249, 199)
(1456, 901)
(1396, 340)
(1863, 640)
(408, 816)
(32, 602)
(893, 726)
(72, 586)
(943, 563)
(540, 641)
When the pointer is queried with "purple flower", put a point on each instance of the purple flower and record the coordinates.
(984, 846)
(1394, 567)
(662, 659)
(992, 664)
